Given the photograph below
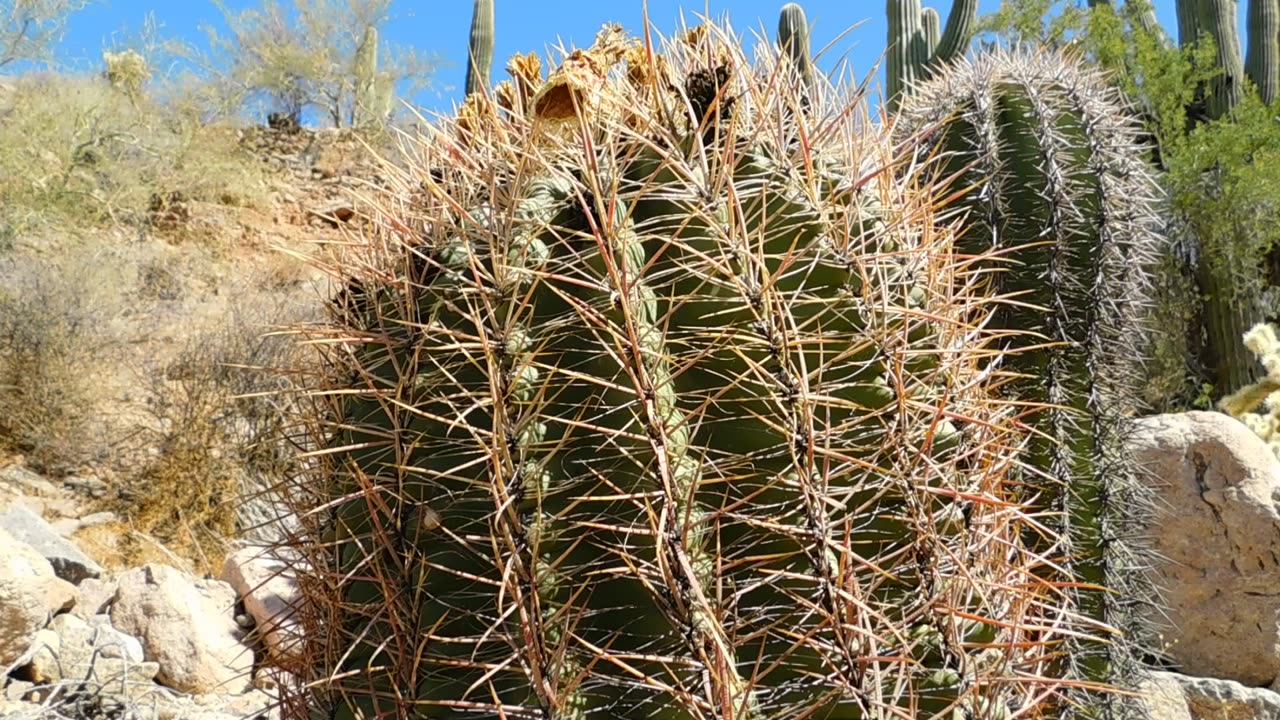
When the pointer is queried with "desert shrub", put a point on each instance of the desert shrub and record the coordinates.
(216, 438)
(76, 154)
(58, 340)
(305, 57)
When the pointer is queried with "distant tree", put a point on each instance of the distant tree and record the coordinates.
(307, 56)
(1041, 23)
(29, 28)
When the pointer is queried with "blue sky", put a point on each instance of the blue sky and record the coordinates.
(522, 25)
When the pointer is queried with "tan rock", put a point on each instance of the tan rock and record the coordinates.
(269, 592)
(188, 626)
(1218, 535)
(1164, 699)
(72, 651)
(1213, 699)
(95, 597)
(21, 710)
(30, 594)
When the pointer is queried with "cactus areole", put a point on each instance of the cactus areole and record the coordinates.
(657, 394)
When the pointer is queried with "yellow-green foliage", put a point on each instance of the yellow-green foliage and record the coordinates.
(75, 154)
(127, 71)
(1258, 405)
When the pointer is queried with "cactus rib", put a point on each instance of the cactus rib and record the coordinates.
(480, 47)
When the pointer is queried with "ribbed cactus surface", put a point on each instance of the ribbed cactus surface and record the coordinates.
(793, 38)
(1063, 199)
(1262, 63)
(654, 398)
(480, 47)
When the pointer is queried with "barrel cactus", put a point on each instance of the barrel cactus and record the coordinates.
(657, 394)
(1062, 197)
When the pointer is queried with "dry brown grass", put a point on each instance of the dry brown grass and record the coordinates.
(58, 337)
(216, 437)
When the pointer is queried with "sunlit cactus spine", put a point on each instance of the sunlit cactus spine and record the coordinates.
(917, 45)
(650, 398)
(1061, 194)
(480, 47)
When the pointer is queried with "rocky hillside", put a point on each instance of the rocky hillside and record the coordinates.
(125, 494)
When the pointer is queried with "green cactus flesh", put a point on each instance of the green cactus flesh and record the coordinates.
(1068, 207)
(793, 37)
(480, 47)
(630, 420)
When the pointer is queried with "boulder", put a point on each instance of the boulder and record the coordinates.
(1195, 698)
(30, 594)
(187, 625)
(1217, 533)
(68, 562)
(95, 597)
(26, 482)
(1164, 699)
(96, 655)
(270, 592)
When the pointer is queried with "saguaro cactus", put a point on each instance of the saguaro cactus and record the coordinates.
(1070, 209)
(793, 38)
(629, 419)
(1263, 60)
(480, 47)
(916, 44)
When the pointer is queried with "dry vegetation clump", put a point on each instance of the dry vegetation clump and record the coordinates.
(58, 339)
(216, 439)
(76, 153)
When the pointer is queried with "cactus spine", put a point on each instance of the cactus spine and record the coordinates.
(913, 53)
(480, 47)
(1069, 208)
(365, 111)
(793, 37)
(633, 419)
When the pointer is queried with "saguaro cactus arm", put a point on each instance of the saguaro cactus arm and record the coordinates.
(931, 22)
(1217, 18)
(480, 48)
(961, 24)
(793, 38)
(1263, 61)
(916, 44)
